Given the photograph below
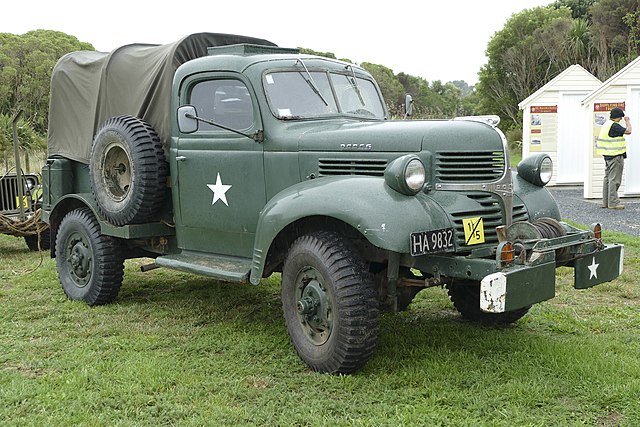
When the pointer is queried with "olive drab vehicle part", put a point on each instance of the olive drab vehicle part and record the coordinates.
(285, 162)
(21, 200)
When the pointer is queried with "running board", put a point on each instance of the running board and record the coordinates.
(230, 269)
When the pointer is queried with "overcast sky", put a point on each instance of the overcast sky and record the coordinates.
(435, 40)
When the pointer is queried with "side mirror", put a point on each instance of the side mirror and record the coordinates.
(187, 122)
(408, 106)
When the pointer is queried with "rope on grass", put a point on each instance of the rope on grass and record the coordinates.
(29, 227)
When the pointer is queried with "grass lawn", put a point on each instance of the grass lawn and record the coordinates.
(177, 349)
(515, 157)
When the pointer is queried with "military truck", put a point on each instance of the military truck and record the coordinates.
(233, 158)
(20, 200)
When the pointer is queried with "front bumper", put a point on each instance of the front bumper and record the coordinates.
(523, 286)
(530, 278)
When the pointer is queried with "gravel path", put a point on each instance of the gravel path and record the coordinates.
(575, 207)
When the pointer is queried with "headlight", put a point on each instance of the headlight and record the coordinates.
(31, 183)
(536, 169)
(406, 175)
(546, 170)
(414, 175)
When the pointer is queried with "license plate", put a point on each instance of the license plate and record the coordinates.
(428, 242)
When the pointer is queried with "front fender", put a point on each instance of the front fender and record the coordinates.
(537, 200)
(383, 216)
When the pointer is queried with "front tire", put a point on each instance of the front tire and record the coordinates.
(465, 295)
(90, 265)
(329, 304)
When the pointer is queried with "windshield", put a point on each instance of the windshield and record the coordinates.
(305, 94)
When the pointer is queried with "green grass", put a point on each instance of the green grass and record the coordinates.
(177, 349)
(515, 157)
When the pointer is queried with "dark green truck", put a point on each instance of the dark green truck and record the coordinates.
(230, 157)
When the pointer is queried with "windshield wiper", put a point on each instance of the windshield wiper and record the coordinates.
(311, 82)
(354, 83)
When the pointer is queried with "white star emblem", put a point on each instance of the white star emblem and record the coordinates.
(593, 269)
(219, 191)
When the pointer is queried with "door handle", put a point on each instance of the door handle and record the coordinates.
(181, 158)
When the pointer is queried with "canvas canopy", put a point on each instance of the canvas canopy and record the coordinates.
(89, 87)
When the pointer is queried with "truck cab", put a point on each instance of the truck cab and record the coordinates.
(262, 160)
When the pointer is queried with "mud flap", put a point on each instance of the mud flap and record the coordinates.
(511, 290)
(599, 267)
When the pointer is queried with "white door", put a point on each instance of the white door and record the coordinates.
(573, 139)
(632, 164)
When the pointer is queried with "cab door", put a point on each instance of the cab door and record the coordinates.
(220, 174)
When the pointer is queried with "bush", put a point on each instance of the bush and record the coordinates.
(514, 138)
(31, 142)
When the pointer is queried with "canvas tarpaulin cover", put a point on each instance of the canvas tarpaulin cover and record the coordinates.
(88, 87)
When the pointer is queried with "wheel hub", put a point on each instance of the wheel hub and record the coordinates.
(79, 260)
(307, 306)
(117, 175)
(314, 307)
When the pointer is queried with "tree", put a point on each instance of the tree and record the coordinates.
(418, 88)
(469, 104)
(438, 100)
(26, 63)
(465, 89)
(615, 29)
(579, 8)
(632, 21)
(430, 102)
(391, 88)
(528, 52)
(29, 139)
(580, 44)
(306, 51)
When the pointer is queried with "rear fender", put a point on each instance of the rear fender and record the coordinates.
(383, 216)
(68, 203)
(63, 206)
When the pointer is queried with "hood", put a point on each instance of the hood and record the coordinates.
(376, 136)
(401, 136)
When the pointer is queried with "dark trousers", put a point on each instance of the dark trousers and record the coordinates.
(612, 180)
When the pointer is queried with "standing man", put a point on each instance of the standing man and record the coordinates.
(612, 145)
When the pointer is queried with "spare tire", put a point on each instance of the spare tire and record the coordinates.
(128, 171)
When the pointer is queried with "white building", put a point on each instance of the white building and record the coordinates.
(621, 90)
(554, 122)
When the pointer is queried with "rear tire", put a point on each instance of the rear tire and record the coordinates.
(406, 296)
(128, 171)
(465, 295)
(44, 240)
(90, 265)
(329, 304)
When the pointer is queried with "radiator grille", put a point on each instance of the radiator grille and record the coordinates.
(472, 166)
(367, 167)
(491, 212)
(9, 194)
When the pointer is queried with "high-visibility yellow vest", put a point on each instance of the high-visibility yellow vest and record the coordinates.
(608, 146)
